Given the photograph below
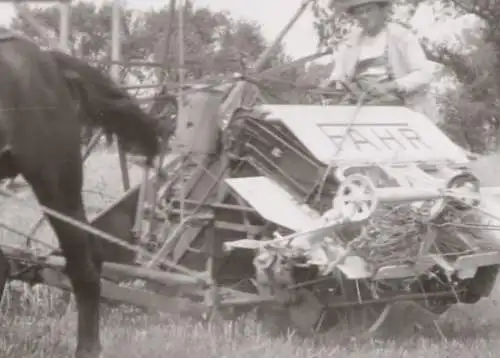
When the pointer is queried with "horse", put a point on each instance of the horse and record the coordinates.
(46, 97)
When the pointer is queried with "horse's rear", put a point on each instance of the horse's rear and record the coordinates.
(31, 91)
(40, 139)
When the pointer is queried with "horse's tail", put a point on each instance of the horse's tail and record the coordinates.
(109, 107)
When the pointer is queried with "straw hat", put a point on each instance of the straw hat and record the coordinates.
(348, 5)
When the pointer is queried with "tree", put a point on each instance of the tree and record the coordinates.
(214, 43)
(476, 105)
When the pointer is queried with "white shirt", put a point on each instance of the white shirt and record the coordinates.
(372, 46)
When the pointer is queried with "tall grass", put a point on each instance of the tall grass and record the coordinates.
(39, 322)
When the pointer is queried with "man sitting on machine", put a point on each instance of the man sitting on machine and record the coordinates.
(383, 60)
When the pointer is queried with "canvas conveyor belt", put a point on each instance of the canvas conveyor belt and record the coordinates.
(270, 149)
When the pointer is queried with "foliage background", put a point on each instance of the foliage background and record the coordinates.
(216, 45)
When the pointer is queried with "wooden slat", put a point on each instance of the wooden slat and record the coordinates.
(131, 296)
(199, 192)
(111, 269)
(137, 272)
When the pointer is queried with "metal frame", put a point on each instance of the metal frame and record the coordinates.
(201, 284)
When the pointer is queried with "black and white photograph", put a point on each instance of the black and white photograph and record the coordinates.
(243, 179)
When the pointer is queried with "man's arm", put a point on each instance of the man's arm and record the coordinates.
(333, 77)
(421, 73)
(338, 74)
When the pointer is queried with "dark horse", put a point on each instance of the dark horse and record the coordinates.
(45, 99)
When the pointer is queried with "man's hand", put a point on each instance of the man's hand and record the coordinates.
(332, 89)
(380, 89)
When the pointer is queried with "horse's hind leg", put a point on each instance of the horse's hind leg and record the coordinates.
(83, 264)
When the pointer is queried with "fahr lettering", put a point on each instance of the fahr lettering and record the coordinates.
(414, 138)
(382, 138)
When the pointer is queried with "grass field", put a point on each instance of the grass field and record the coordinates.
(34, 326)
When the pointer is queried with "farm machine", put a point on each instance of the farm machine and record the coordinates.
(329, 213)
(325, 213)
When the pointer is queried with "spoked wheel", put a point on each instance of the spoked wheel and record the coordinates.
(310, 317)
(309, 314)
(362, 321)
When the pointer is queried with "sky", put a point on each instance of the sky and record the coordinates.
(272, 15)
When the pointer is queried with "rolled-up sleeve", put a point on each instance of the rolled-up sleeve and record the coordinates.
(420, 71)
(338, 73)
